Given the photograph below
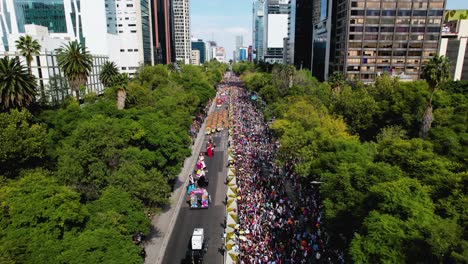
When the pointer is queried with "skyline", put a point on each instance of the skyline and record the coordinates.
(223, 20)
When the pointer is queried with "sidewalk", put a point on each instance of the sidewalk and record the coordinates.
(163, 224)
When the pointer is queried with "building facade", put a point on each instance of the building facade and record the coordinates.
(111, 28)
(200, 45)
(276, 30)
(220, 54)
(258, 32)
(243, 54)
(162, 31)
(211, 50)
(182, 30)
(454, 45)
(301, 41)
(371, 37)
(195, 57)
(288, 54)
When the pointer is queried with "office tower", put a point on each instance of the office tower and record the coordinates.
(200, 45)
(371, 37)
(239, 44)
(288, 54)
(300, 38)
(276, 29)
(454, 46)
(132, 21)
(242, 54)
(182, 30)
(322, 21)
(163, 33)
(250, 53)
(258, 32)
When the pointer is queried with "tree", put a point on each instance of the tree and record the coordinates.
(76, 63)
(37, 213)
(108, 72)
(17, 86)
(435, 72)
(28, 48)
(120, 81)
(23, 142)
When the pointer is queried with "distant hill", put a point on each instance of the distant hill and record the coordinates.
(456, 14)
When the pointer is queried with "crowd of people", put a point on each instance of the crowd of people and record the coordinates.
(279, 219)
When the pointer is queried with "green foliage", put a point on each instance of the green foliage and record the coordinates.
(23, 142)
(37, 213)
(28, 48)
(76, 63)
(240, 68)
(17, 86)
(256, 81)
(108, 72)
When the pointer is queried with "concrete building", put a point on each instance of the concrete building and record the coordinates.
(45, 68)
(195, 57)
(258, 32)
(182, 30)
(115, 29)
(200, 45)
(368, 37)
(162, 31)
(454, 46)
(276, 30)
(288, 54)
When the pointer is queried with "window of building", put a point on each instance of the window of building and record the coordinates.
(122, 50)
(124, 68)
(433, 29)
(399, 53)
(133, 31)
(373, 12)
(372, 20)
(404, 13)
(401, 29)
(129, 5)
(414, 53)
(355, 29)
(132, 25)
(387, 21)
(419, 12)
(357, 12)
(417, 29)
(388, 12)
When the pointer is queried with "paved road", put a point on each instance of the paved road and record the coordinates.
(211, 219)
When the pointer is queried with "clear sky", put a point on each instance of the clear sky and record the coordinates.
(222, 20)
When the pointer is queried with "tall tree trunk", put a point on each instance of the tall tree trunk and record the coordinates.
(121, 96)
(77, 94)
(426, 122)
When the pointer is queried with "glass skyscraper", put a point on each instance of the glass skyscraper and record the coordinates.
(259, 29)
(47, 13)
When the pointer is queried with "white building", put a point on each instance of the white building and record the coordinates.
(277, 29)
(195, 57)
(210, 50)
(182, 35)
(110, 28)
(220, 54)
(453, 45)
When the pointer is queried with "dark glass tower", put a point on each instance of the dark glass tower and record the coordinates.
(162, 29)
(47, 13)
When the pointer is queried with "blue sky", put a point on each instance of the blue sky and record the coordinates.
(222, 20)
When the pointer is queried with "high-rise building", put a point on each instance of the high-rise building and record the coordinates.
(454, 45)
(133, 22)
(250, 53)
(242, 54)
(182, 30)
(258, 32)
(117, 29)
(368, 37)
(200, 45)
(239, 44)
(277, 29)
(162, 31)
(288, 54)
(322, 21)
(302, 31)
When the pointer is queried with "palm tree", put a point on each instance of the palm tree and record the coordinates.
(17, 85)
(108, 72)
(28, 48)
(435, 72)
(121, 81)
(75, 62)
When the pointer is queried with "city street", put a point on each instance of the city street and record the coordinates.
(211, 219)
